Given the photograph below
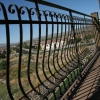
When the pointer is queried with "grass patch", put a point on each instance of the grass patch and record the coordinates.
(3, 91)
(67, 81)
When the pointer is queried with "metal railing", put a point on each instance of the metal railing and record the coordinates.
(51, 63)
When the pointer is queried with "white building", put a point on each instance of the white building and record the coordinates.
(58, 44)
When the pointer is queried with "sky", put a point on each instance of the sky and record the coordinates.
(84, 6)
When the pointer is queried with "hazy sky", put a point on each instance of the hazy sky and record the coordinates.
(85, 6)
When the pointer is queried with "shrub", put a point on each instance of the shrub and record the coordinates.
(3, 65)
(2, 56)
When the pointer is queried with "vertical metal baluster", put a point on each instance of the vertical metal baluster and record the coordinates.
(66, 42)
(29, 58)
(62, 45)
(59, 45)
(49, 57)
(62, 50)
(50, 47)
(84, 34)
(79, 32)
(78, 60)
(84, 30)
(51, 15)
(68, 54)
(68, 51)
(39, 19)
(70, 61)
(8, 49)
(77, 28)
(75, 53)
(48, 61)
(76, 23)
(84, 45)
(55, 50)
(59, 48)
(54, 54)
(45, 15)
(70, 45)
(73, 58)
(80, 47)
(65, 52)
(73, 48)
(67, 47)
(20, 52)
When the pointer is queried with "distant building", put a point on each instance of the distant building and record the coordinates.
(53, 44)
(59, 43)
(35, 45)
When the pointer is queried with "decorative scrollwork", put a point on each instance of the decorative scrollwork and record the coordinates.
(31, 11)
(45, 13)
(22, 11)
(50, 14)
(12, 10)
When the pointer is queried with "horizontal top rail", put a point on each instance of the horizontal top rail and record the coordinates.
(41, 22)
(57, 6)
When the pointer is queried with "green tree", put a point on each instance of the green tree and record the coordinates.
(71, 41)
(78, 39)
(2, 56)
(25, 46)
(40, 48)
(88, 37)
(3, 65)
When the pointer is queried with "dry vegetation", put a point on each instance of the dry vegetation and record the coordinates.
(24, 78)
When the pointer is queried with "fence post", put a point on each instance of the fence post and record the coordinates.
(96, 29)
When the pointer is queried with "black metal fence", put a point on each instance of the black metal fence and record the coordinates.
(45, 67)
